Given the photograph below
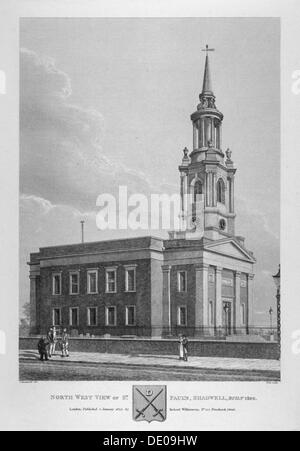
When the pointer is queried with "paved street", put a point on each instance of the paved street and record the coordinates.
(91, 366)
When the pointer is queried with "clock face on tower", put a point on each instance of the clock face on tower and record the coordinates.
(222, 224)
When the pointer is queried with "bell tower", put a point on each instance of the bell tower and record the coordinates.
(207, 173)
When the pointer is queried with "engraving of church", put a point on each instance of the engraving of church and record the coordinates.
(198, 282)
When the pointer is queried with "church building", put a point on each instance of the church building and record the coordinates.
(199, 281)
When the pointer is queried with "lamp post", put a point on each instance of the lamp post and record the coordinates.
(82, 231)
(276, 279)
(271, 320)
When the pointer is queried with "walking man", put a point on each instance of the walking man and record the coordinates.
(185, 345)
(65, 344)
(52, 340)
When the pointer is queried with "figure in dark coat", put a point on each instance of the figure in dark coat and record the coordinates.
(185, 345)
(43, 345)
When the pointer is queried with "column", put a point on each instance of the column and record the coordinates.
(195, 136)
(229, 195)
(182, 175)
(201, 132)
(201, 300)
(250, 304)
(214, 190)
(232, 194)
(185, 189)
(166, 299)
(220, 135)
(33, 304)
(219, 304)
(184, 200)
(204, 132)
(207, 188)
(211, 189)
(207, 130)
(212, 133)
(237, 291)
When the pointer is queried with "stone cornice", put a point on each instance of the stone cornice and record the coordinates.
(166, 268)
(207, 112)
(202, 266)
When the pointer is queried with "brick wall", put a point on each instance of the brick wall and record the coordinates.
(141, 298)
(198, 348)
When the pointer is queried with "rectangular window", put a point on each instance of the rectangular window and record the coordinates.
(111, 316)
(111, 280)
(182, 316)
(92, 281)
(56, 317)
(130, 315)
(74, 283)
(182, 281)
(74, 316)
(130, 279)
(56, 284)
(92, 316)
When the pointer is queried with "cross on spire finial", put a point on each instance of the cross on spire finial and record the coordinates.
(207, 49)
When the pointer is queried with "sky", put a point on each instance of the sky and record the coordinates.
(107, 102)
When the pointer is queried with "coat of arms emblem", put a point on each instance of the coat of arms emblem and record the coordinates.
(149, 403)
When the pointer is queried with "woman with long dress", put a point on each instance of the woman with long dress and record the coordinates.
(181, 348)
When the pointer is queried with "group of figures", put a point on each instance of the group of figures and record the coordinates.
(47, 345)
(183, 348)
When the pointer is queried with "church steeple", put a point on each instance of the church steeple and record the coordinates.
(207, 85)
(207, 120)
(207, 173)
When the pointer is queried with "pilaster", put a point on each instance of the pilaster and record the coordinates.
(201, 303)
(166, 299)
(250, 306)
(237, 310)
(219, 312)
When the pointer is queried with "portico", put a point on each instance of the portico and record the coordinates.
(219, 291)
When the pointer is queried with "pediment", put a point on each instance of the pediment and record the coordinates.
(230, 247)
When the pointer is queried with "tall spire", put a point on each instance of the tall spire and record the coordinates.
(207, 120)
(207, 85)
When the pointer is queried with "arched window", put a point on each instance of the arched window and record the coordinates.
(221, 191)
(197, 189)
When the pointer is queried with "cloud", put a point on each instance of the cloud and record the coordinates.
(44, 207)
(61, 155)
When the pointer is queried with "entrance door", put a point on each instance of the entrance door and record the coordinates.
(227, 317)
